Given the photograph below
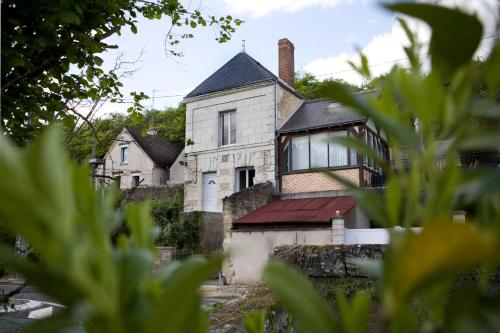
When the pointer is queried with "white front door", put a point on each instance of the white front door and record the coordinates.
(210, 192)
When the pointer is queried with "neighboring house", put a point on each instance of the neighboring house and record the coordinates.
(136, 160)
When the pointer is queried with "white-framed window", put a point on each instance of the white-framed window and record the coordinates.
(244, 178)
(227, 127)
(124, 155)
(135, 179)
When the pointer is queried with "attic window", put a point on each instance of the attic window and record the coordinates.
(124, 155)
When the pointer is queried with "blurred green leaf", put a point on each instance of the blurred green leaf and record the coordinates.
(448, 49)
(255, 322)
(472, 310)
(391, 126)
(485, 141)
(492, 72)
(440, 250)
(180, 295)
(394, 199)
(362, 148)
(479, 184)
(370, 266)
(356, 314)
(299, 299)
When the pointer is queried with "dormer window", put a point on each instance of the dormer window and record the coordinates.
(227, 128)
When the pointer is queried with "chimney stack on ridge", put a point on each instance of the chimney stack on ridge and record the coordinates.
(286, 61)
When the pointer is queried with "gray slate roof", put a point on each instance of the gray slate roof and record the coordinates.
(240, 71)
(162, 152)
(322, 113)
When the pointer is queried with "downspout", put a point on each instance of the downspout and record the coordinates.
(276, 141)
(195, 154)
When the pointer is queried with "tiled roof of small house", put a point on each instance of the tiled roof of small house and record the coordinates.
(322, 113)
(313, 210)
(242, 70)
(162, 152)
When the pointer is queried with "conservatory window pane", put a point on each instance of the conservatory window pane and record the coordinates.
(338, 152)
(319, 150)
(354, 156)
(300, 153)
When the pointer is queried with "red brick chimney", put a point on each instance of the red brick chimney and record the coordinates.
(286, 61)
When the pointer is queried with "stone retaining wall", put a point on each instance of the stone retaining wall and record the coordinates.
(244, 202)
(164, 255)
(151, 193)
(327, 261)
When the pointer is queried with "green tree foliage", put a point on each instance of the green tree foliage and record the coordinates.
(426, 118)
(169, 123)
(185, 234)
(310, 87)
(106, 131)
(182, 231)
(50, 54)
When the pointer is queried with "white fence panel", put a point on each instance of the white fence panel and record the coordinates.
(370, 236)
(366, 236)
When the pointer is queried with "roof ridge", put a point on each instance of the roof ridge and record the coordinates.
(150, 143)
(317, 100)
(365, 92)
(220, 68)
(239, 71)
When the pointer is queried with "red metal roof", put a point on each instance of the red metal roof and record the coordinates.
(299, 210)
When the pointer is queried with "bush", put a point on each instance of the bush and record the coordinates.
(7, 239)
(165, 213)
(185, 234)
(350, 286)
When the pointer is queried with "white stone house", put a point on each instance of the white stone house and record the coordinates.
(232, 118)
(142, 159)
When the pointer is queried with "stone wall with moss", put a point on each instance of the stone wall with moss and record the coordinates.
(328, 261)
(151, 193)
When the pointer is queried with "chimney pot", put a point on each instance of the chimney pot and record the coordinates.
(152, 131)
(286, 68)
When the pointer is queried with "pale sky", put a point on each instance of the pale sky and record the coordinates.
(326, 33)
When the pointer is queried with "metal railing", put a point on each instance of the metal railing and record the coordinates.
(464, 161)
